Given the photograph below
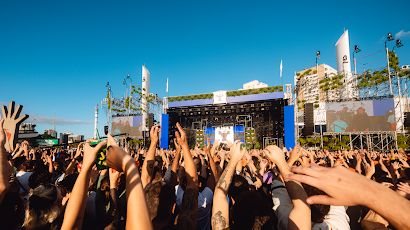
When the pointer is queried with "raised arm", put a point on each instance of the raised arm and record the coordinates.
(137, 209)
(5, 169)
(347, 188)
(299, 217)
(188, 161)
(212, 164)
(175, 162)
(149, 158)
(220, 209)
(74, 213)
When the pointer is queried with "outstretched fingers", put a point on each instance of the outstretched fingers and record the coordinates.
(322, 199)
(16, 112)
(22, 118)
(4, 112)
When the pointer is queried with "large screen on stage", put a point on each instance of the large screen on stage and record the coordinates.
(128, 124)
(224, 134)
(358, 116)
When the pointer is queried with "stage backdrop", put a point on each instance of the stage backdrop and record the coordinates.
(128, 124)
(359, 116)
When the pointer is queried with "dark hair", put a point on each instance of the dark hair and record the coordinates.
(152, 191)
(188, 211)
(250, 206)
(238, 186)
(39, 176)
(68, 182)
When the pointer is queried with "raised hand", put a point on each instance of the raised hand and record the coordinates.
(275, 154)
(181, 135)
(12, 121)
(177, 146)
(114, 176)
(90, 154)
(154, 134)
(370, 169)
(342, 186)
(237, 152)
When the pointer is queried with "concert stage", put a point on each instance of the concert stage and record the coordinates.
(232, 115)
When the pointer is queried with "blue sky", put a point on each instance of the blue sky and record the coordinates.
(56, 56)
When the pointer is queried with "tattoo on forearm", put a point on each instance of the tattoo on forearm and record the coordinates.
(225, 179)
(218, 221)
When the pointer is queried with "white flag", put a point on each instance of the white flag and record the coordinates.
(166, 88)
(280, 68)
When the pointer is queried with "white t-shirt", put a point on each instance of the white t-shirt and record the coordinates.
(336, 219)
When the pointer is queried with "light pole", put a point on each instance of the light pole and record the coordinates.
(124, 82)
(389, 38)
(355, 51)
(398, 45)
(109, 106)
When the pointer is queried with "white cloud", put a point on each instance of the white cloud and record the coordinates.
(56, 120)
(402, 34)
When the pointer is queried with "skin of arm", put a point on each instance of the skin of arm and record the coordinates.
(175, 162)
(5, 168)
(145, 177)
(188, 161)
(220, 209)
(137, 209)
(347, 188)
(212, 165)
(358, 164)
(74, 214)
(299, 217)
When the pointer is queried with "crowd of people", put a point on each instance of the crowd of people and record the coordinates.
(213, 187)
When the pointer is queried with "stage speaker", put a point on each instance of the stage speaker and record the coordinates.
(308, 118)
(407, 119)
(200, 138)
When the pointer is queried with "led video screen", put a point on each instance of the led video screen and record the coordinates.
(361, 116)
(127, 125)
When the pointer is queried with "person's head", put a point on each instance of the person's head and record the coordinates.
(21, 163)
(188, 216)
(238, 186)
(152, 191)
(39, 176)
(251, 210)
(182, 179)
(160, 200)
(58, 166)
(67, 184)
(44, 207)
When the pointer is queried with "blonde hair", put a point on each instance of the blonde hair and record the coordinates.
(43, 208)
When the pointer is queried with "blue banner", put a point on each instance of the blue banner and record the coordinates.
(289, 126)
(164, 140)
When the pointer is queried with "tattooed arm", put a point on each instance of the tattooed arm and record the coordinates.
(220, 209)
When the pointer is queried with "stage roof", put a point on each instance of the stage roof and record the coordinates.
(229, 99)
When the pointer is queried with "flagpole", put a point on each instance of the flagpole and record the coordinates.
(280, 75)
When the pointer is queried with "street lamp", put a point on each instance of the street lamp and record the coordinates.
(317, 56)
(355, 51)
(389, 38)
